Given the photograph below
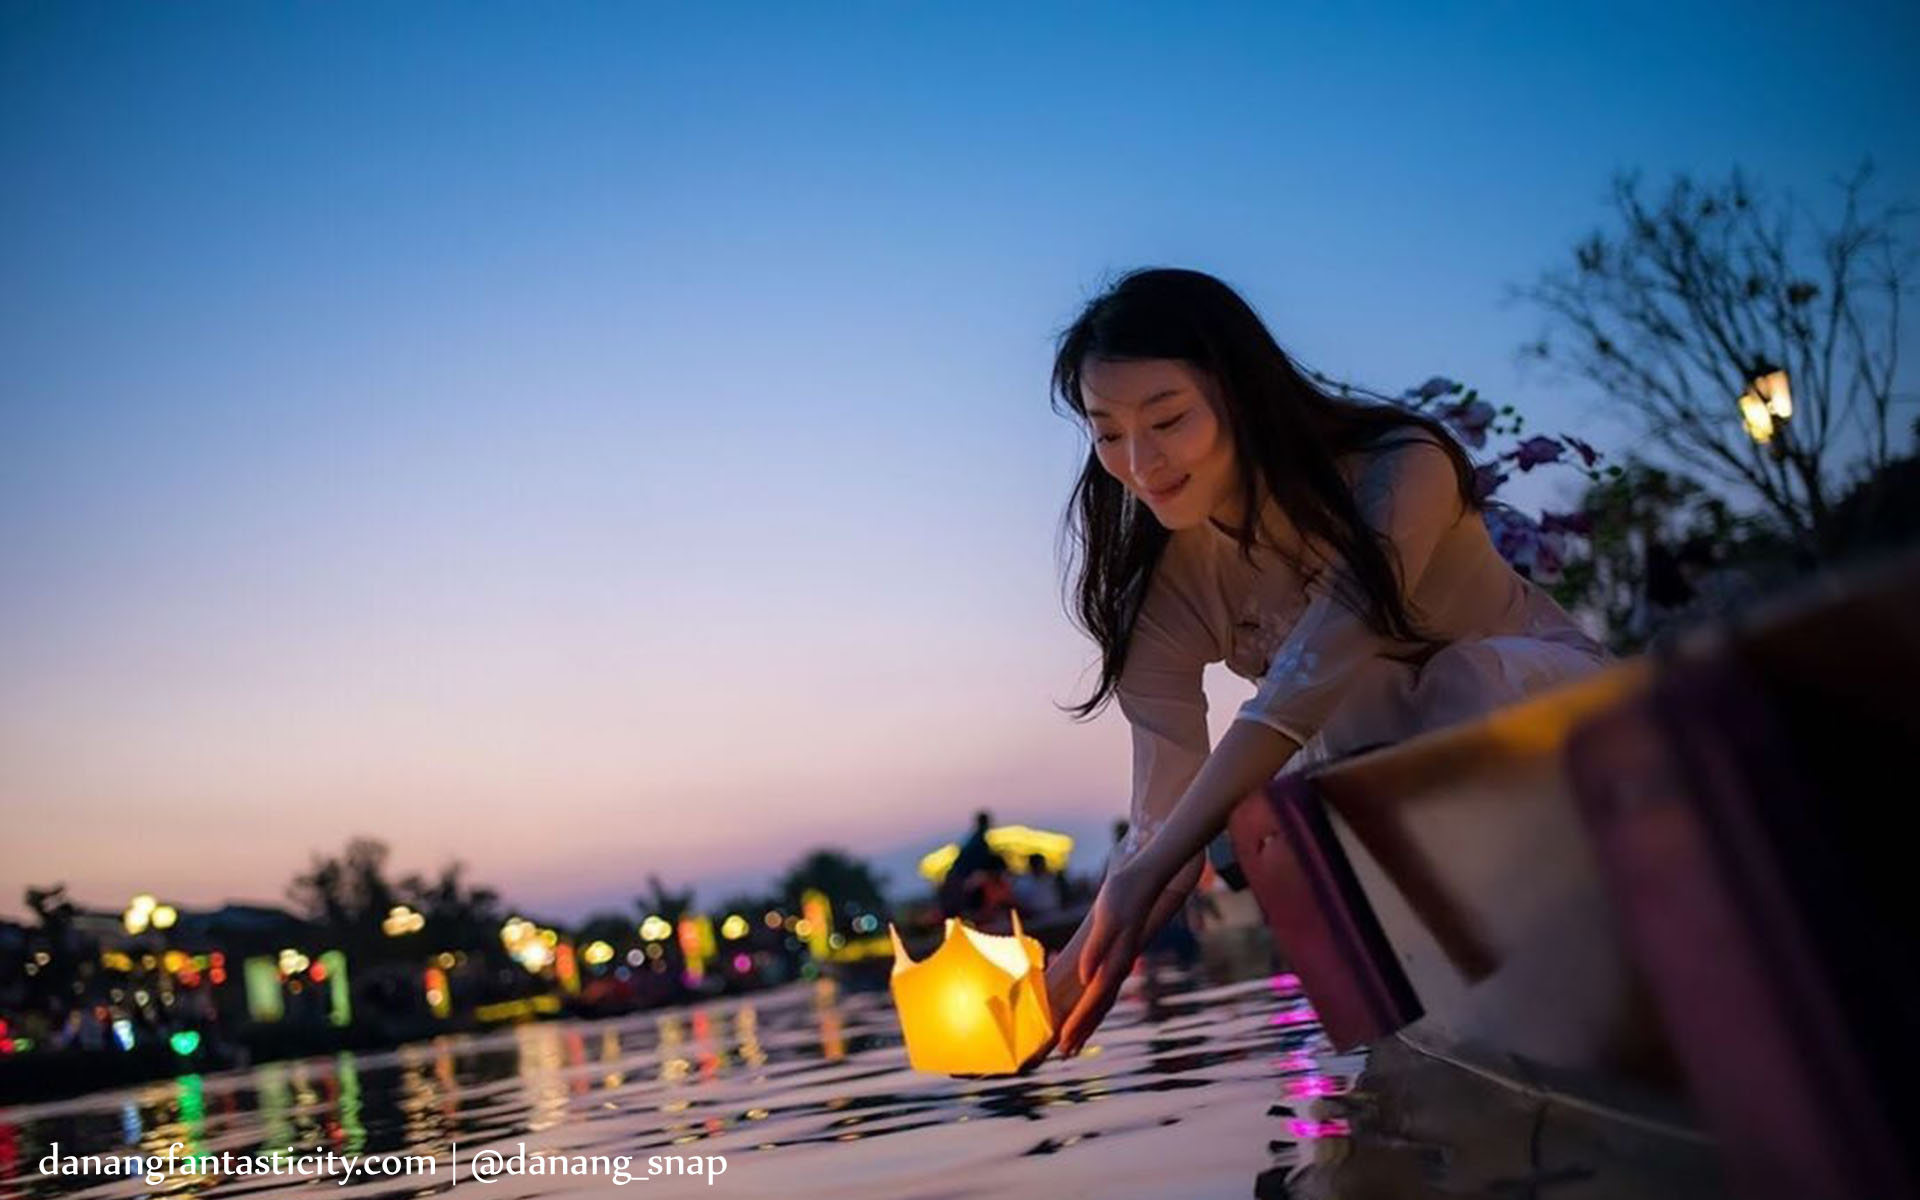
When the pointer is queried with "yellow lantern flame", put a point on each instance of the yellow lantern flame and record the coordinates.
(976, 1006)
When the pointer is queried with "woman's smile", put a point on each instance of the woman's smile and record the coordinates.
(1161, 495)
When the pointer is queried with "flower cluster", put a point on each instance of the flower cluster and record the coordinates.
(1538, 547)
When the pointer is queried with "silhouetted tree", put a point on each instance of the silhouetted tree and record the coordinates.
(663, 902)
(350, 896)
(1673, 311)
(67, 952)
(1882, 512)
(847, 882)
(616, 929)
(458, 917)
(753, 908)
(1631, 514)
(51, 906)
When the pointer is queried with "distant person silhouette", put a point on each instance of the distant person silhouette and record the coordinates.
(1037, 893)
(975, 855)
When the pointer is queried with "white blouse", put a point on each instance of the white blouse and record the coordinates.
(1304, 647)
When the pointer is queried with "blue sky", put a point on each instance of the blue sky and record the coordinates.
(498, 426)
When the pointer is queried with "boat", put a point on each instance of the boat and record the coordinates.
(1666, 893)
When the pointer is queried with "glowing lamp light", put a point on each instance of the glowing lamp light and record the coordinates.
(185, 1042)
(816, 921)
(1771, 387)
(975, 1006)
(439, 997)
(1755, 415)
(139, 913)
(401, 920)
(1767, 404)
(566, 968)
(656, 929)
(734, 927)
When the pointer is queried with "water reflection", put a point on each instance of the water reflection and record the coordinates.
(1187, 1091)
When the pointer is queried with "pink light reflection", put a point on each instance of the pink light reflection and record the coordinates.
(1314, 1130)
(1301, 1014)
(1315, 1085)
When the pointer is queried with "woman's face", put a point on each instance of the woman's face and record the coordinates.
(1158, 429)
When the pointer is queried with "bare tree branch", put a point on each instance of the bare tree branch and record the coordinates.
(1673, 312)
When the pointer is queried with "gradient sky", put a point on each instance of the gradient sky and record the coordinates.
(587, 440)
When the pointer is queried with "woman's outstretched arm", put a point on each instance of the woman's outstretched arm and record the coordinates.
(1140, 894)
(1064, 985)
(1410, 495)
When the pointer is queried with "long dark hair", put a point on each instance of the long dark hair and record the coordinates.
(1288, 435)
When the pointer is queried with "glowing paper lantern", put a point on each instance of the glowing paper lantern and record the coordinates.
(439, 997)
(339, 995)
(816, 913)
(565, 969)
(696, 943)
(975, 1006)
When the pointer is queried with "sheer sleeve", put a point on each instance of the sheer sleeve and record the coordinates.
(1412, 495)
(1160, 691)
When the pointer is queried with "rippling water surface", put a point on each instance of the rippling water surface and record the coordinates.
(1187, 1092)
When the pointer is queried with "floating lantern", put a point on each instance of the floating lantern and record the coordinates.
(975, 1006)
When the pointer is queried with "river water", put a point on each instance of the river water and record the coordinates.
(1187, 1091)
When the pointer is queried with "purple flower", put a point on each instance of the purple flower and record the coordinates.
(1487, 478)
(1531, 550)
(1469, 419)
(1588, 455)
(1536, 451)
(1549, 560)
(1512, 531)
(1577, 523)
(1433, 389)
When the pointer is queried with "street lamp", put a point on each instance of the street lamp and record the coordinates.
(1767, 404)
(139, 914)
(401, 920)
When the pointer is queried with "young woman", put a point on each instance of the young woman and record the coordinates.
(1329, 550)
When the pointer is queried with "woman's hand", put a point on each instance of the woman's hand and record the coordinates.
(1116, 926)
(1063, 987)
(1063, 992)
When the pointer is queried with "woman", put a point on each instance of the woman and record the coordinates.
(1331, 551)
